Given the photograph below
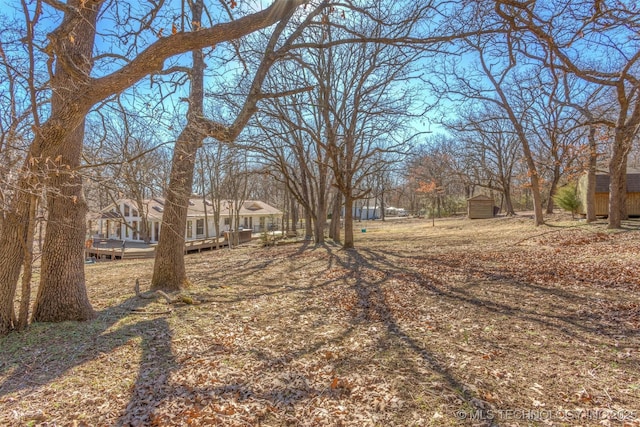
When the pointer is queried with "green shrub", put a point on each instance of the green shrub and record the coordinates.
(567, 198)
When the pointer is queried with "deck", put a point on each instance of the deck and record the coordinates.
(110, 249)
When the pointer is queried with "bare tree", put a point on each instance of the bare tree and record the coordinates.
(169, 271)
(57, 145)
(490, 150)
(212, 160)
(360, 102)
(496, 70)
(294, 129)
(587, 102)
(560, 34)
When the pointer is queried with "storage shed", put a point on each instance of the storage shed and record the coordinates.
(480, 206)
(602, 193)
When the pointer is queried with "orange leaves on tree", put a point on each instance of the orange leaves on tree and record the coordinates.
(426, 187)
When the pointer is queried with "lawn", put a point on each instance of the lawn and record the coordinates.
(485, 322)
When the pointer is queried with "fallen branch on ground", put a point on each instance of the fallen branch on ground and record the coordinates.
(170, 300)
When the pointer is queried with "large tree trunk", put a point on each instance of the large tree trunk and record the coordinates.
(27, 266)
(535, 181)
(168, 269)
(508, 202)
(62, 293)
(348, 222)
(537, 198)
(553, 189)
(591, 176)
(11, 239)
(320, 224)
(618, 174)
(321, 212)
(617, 184)
(56, 152)
(622, 185)
(334, 227)
(308, 224)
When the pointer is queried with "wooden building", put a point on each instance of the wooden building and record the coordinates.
(602, 193)
(480, 207)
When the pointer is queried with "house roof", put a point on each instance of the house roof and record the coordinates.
(155, 208)
(250, 208)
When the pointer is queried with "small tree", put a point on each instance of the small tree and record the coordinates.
(431, 191)
(567, 198)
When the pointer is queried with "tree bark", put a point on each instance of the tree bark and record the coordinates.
(168, 269)
(27, 267)
(617, 186)
(618, 172)
(308, 224)
(335, 217)
(13, 233)
(615, 176)
(294, 215)
(320, 222)
(509, 211)
(62, 293)
(58, 147)
(553, 189)
(591, 176)
(348, 221)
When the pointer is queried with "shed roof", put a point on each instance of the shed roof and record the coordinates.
(480, 197)
(633, 183)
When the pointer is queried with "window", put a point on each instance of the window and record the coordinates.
(262, 223)
(189, 229)
(126, 210)
(227, 221)
(200, 227)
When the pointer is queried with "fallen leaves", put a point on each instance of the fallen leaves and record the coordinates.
(391, 334)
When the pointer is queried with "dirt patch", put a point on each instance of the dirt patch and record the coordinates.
(491, 322)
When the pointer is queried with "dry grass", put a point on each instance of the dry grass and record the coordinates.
(489, 322)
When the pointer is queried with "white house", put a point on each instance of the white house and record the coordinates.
(391, 211)
(122, 220)
(366, 209)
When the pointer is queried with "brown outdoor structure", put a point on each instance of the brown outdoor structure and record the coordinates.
(602, 193)
(122, 220)
(480, 207)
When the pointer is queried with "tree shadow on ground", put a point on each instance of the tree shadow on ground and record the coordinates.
(46, 352)
(369, 270)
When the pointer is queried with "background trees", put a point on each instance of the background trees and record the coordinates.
(598, 44)
(76, 85)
